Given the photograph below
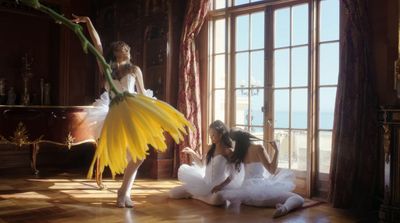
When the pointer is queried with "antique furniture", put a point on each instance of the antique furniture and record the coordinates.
(389, 120)
(36, 125)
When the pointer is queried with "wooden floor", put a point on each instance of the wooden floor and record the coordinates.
(69, 197)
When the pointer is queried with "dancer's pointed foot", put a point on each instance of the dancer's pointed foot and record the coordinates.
(280, 211)
(121, 201)
(128, 202)
(124, 201)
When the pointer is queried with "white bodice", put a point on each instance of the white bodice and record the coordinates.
(254, 170)
(216, 170)
(126, 83)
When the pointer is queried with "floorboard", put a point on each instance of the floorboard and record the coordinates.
(69, 197)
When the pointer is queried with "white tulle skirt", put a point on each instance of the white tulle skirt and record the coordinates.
(198, 183)
(95, 116)
(259, 191)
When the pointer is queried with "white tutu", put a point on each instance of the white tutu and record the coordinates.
(259, 186)
(95, 116)
(199, 181)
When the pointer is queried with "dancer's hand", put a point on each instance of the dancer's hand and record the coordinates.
(217, 188)
(188, 150)
(80, 19)
(274, 145)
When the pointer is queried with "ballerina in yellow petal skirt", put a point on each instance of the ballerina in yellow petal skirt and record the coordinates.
(127, 118)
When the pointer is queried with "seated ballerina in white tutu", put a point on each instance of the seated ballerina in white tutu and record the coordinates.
(211, 174)
(263, 185)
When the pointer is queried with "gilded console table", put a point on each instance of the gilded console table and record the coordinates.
(35, 125)
(389, 120)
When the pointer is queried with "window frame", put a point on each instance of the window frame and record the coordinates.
(314, 179)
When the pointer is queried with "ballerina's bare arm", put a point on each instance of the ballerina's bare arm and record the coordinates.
(93, 34)
(137, 73)
(222, 185)
(195, 156)
(227, 153)
(269, 163)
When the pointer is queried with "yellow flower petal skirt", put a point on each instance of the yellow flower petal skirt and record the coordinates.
(134, 122)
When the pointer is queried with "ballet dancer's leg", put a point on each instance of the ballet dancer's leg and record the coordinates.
(292, 202)
(214, 199)
(284, 202)
(124, 192)
(179, 192)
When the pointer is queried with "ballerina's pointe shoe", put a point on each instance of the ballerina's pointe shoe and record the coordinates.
(124, 201)
(280, 211)
(128, 202)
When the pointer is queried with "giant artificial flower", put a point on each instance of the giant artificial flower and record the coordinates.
(134, 122)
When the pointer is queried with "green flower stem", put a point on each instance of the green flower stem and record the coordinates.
(77, 29)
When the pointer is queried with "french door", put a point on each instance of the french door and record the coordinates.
(274, 68)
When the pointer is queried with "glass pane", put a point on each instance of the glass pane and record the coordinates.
(299, 109)
(257, 68)
(282, 141)
(327, 98)
(242, 107)
(211, 38)
(257, 30)
(219, 71)
(329, 20)
(281, 68)
(219, 4)
(256, 104)
(242, 69)
(240, 2)
(282, 27)
(281, 109)
(300, 66)
(242, 32)
(325, 146)
(219, 105)
(258, 132)
(298, 145)
(300, 24)
(219, 36)
(242, 127)
(329, 63)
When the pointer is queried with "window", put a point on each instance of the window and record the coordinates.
(273, 68)
(249, 72)
(290, 84)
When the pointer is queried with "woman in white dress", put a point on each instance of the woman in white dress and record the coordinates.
(210, 174)
(263, 185)
(126, 77)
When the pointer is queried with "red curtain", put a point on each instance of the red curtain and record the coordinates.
(189, 82)
(354, 164)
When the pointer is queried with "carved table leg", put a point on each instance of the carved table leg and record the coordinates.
(34, 152)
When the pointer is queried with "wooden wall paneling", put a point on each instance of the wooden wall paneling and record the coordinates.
(58, 58)
(27, 31)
